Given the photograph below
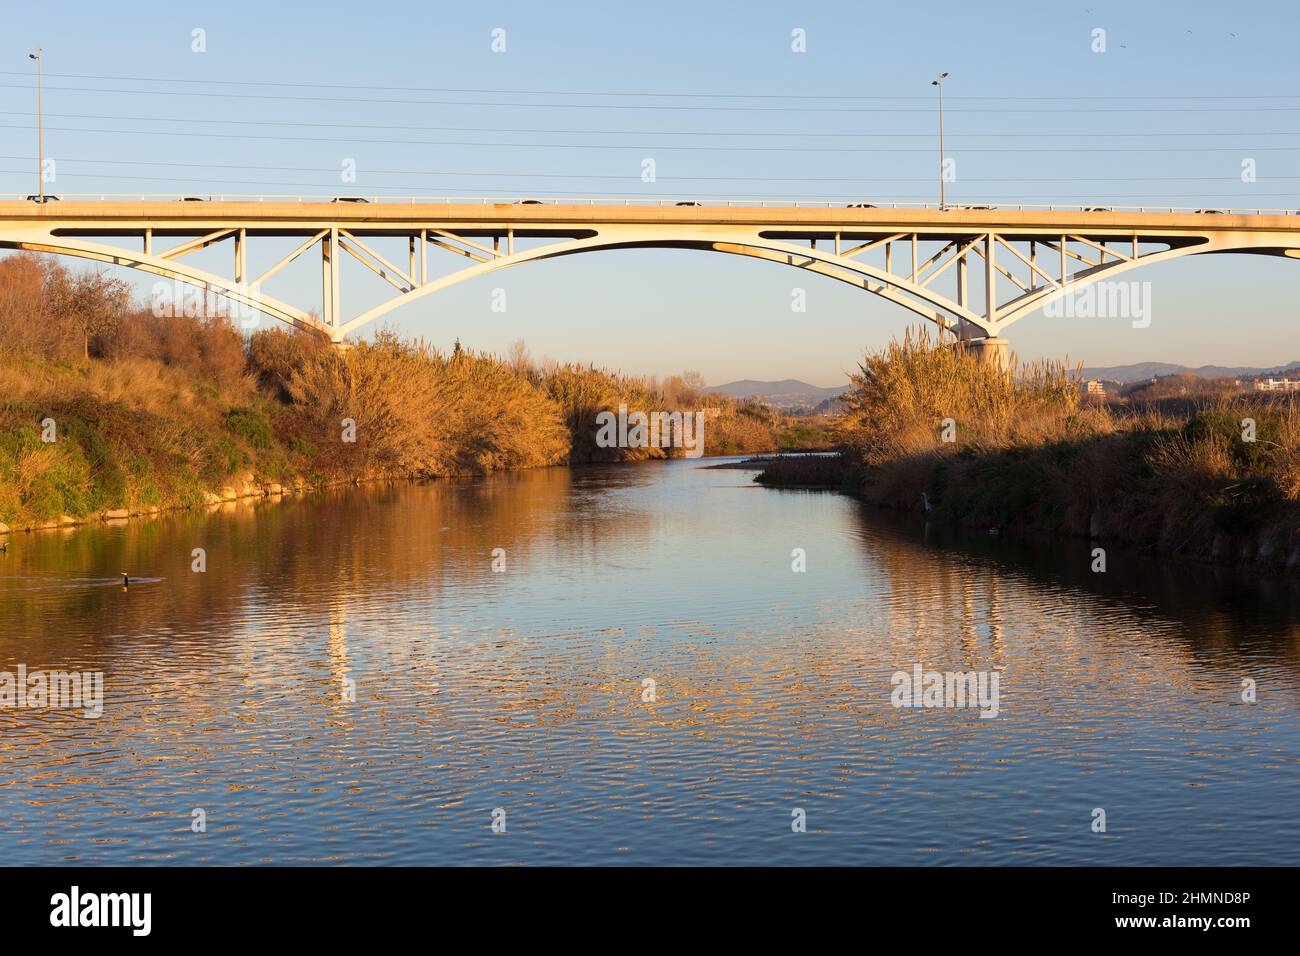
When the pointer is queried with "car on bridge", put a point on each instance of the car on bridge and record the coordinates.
(1097, 209)
(529, 202)
(687, 202)
(349, 199)
(1210, 212)
(46, 198)
(861, 205)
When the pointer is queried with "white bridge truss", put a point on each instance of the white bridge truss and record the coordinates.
(973, 271)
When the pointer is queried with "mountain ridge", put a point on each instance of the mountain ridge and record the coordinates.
(796, 392)
(1140, 371)
(785, 394)
(745, 387)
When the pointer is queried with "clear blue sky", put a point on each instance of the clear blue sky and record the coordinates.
(657, 311)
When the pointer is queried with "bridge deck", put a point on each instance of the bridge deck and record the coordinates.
(301, 216)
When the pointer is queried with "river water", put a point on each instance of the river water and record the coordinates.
(228, 734)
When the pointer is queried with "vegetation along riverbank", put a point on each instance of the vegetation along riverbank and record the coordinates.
(108, 409)
(927, 427)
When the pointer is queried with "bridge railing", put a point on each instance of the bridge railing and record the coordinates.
(624, 201)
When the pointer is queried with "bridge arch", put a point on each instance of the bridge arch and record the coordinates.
(925, 303)
(1023, 259)
(236, 290)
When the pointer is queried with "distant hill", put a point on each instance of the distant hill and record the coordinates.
(1142, 371)
(792, 395)
(787, 394)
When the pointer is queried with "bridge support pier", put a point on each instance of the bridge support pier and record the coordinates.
(991, 350)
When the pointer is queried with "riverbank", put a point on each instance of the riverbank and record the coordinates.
(931, 430)
(109, 410)
(111, 439)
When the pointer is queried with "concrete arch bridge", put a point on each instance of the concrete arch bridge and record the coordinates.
(973, 270)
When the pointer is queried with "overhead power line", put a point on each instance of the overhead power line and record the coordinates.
(661, 147)
(678, 178)
(633, 132)
(674, 107)
(647, 94)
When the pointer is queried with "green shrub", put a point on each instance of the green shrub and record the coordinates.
(252, 426)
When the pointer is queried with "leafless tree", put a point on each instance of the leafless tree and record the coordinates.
(92, 301)
(519, 357)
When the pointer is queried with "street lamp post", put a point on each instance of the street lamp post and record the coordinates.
(40, 129)
(939, 83)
